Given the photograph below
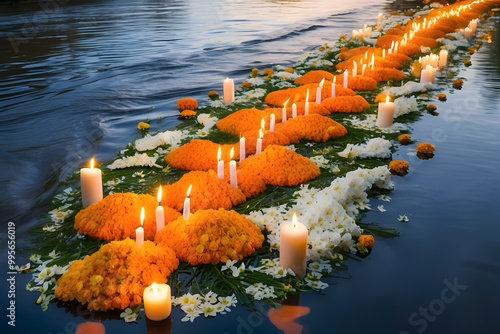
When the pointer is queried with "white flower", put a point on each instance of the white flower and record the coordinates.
(384, 198)
(403, 218)
(374, 148)
(404, 105)
(260, 291)
(381, 208)
(113, 183)
(320, 160)
(135, 160)
(149, 142)
(128, 315)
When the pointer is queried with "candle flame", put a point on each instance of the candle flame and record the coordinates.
(218, 154)
(155, 288)
(307, 95)
(321, 83)
(231, 153)
(158, 197)
(387, 99)
(189, 190)
(227, 79)
(294, 220)
(262, 124)
(286, 102)
(92, 163)
(142, 216)
(261, 134)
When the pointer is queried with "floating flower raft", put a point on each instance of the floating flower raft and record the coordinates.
(233, 255)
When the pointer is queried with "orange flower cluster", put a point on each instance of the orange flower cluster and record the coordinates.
(431, 107)
(359, 82)
(404, 139)
(314, 108)
(187, 114)
(346, 104)
(116, 217)
(366, 240)
(410, 49)
(379, 62)
(399, 166)
(346, 53)
(270, 138)
(380, 98)
(211, 236)
(207, 192)
(385, 74)
(441, 96)
(395, 31)
(433, 33)
(458, 83)
(299, 94)
(424, 41)
(425, 148)
(399, 57)
(249, 182)
(187, 103)
(116, 275)
(243, 120)
(205, 152)
(385, 41)
(280, 166)
(311, 127)
(314, 77)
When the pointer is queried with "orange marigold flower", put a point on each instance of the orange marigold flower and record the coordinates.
(410, 50)
(398, 57)
(466, 62)
(268, 71)
(255, 70)
(205, 152)
(212, 93)
(280, 166)
(360, 82)
(395, 31)
(187, 103)
(399, 166)
(207, 192)
(314, 77)
(441, 96)
(431, 107)
(211, 236)
(346, 104)
(289, 70)
(243, 120)
(187, 114)
(458, 83)
(143, 126)
(116, 217)
(279, 97)
(249, 182)
(385, 74)
(366, 240)
(404, 139)
(311, 127)
(270, 138)
(314, 108)
(246, 84)
(385, 41)
(346, 53)
(424, 41)
(425, 148)
(433, 33)
(380, 98)
(116, 275)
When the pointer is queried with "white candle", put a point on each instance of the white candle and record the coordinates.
(228, 87)
(139, 232)
(263, 124)
(157, 301)
(242, 149)
(160, 216)
(380, 17)
(345, 78)
(294, 110)
(272, 122)
(318, 95)
(306, 105)
(354, 68)
(363, 69)
(428, 74)
(283, 111)
(258, 148)
(232, 171)
(385, 113)
(220, 164)
(443, 58)
(91, 184)
(333, 89)
(293, 246)
(187, 205)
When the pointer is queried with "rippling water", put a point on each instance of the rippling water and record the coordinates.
(83, 80)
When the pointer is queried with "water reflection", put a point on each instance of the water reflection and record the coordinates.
(90, 328)
(159, 327)
(284, 318)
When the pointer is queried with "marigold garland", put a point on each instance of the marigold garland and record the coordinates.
(270, 138)
(385, 41)
(399, 166)
(314, 108)
(395, 31)
(346, 53)
(211, 236)
(116, 217)
(398, 57)
(425, 148)
(410, 49)
(346, 104)
(205, 152)
(208, 192)
(116, 275)
(280, 166)
(314, 76)
(243, 120)
(359, 82)
(384, 74)
(424, 41)
(311, 127)
(187, 103)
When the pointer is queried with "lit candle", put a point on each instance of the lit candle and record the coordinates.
(91, 184)
(220, 164)
(363, 69)
(306, 105)
(380, 17)
(443, 58)
(385, 113)
(272, 122)
(293, 246)
(294, 110)
(228, 87)
(157, 301)
(345, 78)
(354, 68)
(333, 89)
(187, 205)
(258, 149)
(242, 149)
(428, 74)
(263, 124)
(232, 170)
(283, 111)
(139, 232)
(160, 216)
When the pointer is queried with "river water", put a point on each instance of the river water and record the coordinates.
(77, 77)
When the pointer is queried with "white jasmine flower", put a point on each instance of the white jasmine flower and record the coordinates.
(374, 148)
(403, 218)
(135, 160)
(381, 208)
(128, 315)
(384, 198)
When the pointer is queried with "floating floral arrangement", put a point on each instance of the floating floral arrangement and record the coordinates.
(322, 154)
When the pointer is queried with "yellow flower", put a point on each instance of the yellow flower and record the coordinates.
(399, 167)
(441, 96)
(143, 126)
(212, 93)
(458, 83)
(425, 148)
(187, 114)
(246, 84)
(366, 240)
(289, 70)
(404, 139)
(431, 107)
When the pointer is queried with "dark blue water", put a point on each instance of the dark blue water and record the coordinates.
(87, 76)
